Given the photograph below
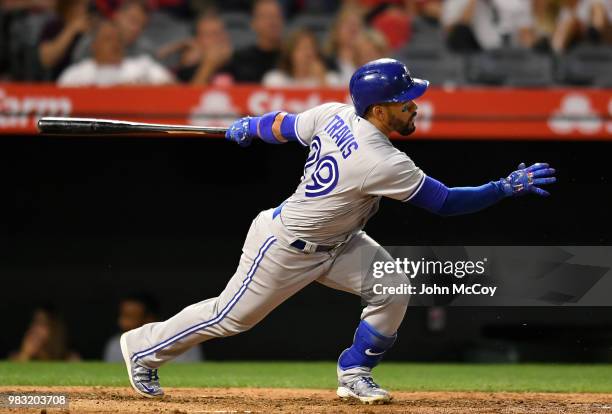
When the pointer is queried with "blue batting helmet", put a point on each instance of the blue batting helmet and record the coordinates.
(384, 80)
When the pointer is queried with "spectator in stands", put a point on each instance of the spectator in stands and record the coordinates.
(301, 64)
(109, 65)
(546, 16)
(488, 24)
(131, 18)
(370, 45)
(206, 58)
(589, 20)
(394, 23)
(395, 19)
(135, 310)
(61, 35)
(341, 43)
(250, 64)
(45, 339)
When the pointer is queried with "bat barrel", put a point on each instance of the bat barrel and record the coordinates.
(76, 126)
(87, 126)
(91, 126)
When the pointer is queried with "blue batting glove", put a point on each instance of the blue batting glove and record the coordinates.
(524, 180)
(239, 132)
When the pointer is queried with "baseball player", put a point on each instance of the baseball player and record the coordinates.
(316, 234)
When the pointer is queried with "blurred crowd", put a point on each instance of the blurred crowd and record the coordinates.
(285, 43)
(46, 337)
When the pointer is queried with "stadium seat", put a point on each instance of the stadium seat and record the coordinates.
(320, 25)
(24, 63)
(426, 56)
(163, 29)
(236, 20)
(586, 65)
(440, 67)
(241, 38)
(426, 35)
(510, 67)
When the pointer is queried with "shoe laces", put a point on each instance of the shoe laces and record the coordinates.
(370, 382)
(153, 375)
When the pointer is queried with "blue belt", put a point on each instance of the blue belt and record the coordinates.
(301, 244)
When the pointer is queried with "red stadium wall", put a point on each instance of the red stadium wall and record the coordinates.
(473, 113)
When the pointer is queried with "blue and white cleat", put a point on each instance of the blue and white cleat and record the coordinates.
(365, 390)
(144, 380)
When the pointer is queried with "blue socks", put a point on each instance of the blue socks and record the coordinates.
(368, 348)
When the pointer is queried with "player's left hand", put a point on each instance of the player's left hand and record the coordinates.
(239, 132)
(527, 179)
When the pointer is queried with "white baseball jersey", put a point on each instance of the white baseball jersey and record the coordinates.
(351, 164)
(349, 167)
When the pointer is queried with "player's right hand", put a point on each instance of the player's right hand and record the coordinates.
(239, 132)
(527, 179)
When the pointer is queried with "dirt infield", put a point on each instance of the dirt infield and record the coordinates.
(264, 400)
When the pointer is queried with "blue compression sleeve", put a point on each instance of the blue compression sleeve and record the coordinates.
(261, 127)
(431, 195)
(437, 198)
(465, 200)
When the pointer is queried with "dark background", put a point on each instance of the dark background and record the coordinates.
(85, 221)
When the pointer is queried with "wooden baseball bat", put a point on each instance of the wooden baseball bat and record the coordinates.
(92, 126)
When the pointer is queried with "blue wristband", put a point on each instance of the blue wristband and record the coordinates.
(465, 200)
(288, 127)
(261, 127)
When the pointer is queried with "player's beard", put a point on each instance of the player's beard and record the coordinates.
(403, 128)
(408, 129)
